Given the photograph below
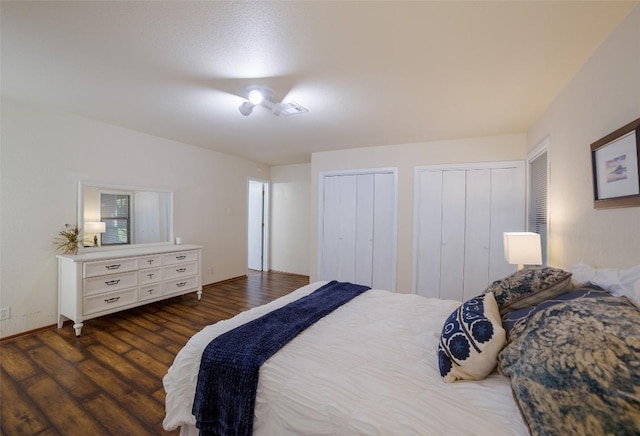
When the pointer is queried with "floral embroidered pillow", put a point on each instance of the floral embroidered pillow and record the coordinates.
(529, 286)
(472, 337)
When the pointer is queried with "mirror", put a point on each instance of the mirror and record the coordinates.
(121, 216)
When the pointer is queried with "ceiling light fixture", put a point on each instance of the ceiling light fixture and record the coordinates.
(255, 97)
(261, 96)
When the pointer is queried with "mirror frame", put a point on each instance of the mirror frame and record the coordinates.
(107, 186)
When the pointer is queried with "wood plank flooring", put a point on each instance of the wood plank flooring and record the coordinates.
(108, 381)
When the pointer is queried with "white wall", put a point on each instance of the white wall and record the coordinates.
(45, 154)
(290, 186)
(405, 157)
(603, 96)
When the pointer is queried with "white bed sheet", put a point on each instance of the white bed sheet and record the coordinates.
(368, 368)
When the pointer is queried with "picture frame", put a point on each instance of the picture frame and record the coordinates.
(615, 161)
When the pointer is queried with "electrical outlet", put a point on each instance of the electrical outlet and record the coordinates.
(5, 313)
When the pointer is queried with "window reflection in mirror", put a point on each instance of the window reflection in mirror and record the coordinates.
(115, 212)
(130, 215)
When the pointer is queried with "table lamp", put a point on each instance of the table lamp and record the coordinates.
(522, 248)
(93, 227)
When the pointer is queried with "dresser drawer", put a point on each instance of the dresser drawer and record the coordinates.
(180, 270)
(150, 291)
(180, 285)
(110, 300)
(180, 257)
(152, 261)
(149, 276)
(112, 282)
(92, 269)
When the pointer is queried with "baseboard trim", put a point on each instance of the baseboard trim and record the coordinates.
(28, 332)
(289, 273)
(247, 275)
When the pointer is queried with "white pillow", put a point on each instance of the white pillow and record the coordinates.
(620, 282)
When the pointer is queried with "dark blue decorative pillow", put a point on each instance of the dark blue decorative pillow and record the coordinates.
(513, 319)
(472, 337)
(529, 286)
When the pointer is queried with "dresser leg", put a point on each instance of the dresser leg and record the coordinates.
(199, 293)
(78, 328)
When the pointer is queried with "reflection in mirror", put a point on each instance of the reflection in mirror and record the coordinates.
(130, 215)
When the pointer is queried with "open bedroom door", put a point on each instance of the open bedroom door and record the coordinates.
(257, 225)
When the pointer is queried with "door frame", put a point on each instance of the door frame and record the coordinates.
(265, 220)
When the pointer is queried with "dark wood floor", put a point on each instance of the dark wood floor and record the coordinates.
(108, 381)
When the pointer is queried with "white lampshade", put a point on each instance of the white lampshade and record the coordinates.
(522, 248)
(95, 227)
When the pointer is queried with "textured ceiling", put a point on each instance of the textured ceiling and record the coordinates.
(370, 73)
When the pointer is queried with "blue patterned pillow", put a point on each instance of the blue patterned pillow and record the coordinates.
(513, 319)
(472, 337)
(529, 286)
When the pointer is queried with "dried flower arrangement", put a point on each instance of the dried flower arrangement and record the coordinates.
(68, 240)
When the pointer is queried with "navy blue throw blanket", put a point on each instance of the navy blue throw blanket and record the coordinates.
(228, 376)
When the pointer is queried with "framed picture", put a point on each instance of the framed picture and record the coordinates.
(615, 160)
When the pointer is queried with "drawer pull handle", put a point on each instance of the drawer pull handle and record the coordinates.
(181, 257)
(150, 291)
(150, 261)
(111, 300)
(181, 270)
(110, 267)
(112, 282)
(181, 284)
(150, 275)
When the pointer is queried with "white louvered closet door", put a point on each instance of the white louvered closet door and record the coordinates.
(357, 230)
(460, 214)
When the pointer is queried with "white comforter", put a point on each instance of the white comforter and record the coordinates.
(368, 368)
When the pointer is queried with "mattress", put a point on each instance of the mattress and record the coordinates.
(368, 368)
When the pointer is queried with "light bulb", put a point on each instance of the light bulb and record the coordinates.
(255, 97)
(246, 108)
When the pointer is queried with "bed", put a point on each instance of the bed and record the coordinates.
(371, 367)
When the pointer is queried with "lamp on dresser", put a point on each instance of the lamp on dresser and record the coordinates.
(94, 227)
(522, 248)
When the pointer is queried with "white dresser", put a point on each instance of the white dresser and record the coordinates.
(93, 284)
